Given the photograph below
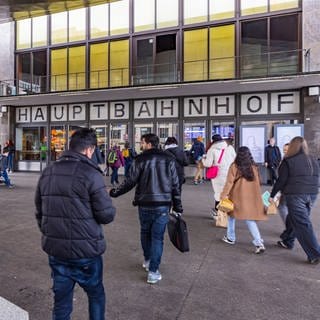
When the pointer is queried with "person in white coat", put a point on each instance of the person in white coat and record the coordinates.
(218, 145)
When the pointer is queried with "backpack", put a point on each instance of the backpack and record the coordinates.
(112, 157)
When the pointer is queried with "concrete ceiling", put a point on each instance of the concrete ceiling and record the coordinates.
(174, 90)
(21, 9)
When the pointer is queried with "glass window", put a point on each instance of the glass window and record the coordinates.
(99, 65)
(254, 48)
(59, 70)
(222, 51)
(59, 25)
(119, 63)
(58, 142)
(39, 31)
(165, 17)
(196, 55)
(119, 17)
(221, 9)
(283, 4)
(284, 54)
(144, 14)
(139, 130)
(99, 21)
(165, 130)
(191, 132)
(77, 68)
(195, 11)
(24, 72)
(24, 34)
(225, 129)
(77, 24)
(253, 6)
(39, 76)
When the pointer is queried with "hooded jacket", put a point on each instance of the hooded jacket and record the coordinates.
(71, 204)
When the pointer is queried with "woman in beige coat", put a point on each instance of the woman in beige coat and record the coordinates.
(243, 188)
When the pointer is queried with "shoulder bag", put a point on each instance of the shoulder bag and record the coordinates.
(178, 233)
(212, 172)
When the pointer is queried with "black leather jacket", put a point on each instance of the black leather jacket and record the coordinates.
(155, 176)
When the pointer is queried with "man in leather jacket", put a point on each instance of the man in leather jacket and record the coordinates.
(157, 189)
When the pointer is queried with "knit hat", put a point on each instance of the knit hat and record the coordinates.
(216, 138)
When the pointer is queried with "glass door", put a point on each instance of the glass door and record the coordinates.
(57, 141)
(139, 130)
(118, 135)
(165, 130)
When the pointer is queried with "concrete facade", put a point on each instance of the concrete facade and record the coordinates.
(6, 73)
(310, 32)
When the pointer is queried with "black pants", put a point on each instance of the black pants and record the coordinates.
(273, 174)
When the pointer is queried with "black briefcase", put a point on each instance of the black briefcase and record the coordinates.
(178, 233)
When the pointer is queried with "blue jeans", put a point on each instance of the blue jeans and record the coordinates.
(88, 274)
(252, 226)
(114, 175)
(153, 222)
(5, 176)
(298, 224)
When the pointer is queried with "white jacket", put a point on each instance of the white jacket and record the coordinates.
(227, 159)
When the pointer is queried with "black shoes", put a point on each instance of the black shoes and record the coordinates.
(281, 244)
(314, 261)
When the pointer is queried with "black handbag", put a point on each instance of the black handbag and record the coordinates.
(178, 233)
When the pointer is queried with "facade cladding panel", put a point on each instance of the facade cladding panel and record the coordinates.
(133, 43)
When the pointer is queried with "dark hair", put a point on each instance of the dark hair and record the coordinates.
(151, 138)
(171, 140)
(82, 139)
(244, 162)
(216, 138)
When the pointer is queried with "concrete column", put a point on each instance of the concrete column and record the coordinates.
(311, 122)
(311, 34)
(6, 74)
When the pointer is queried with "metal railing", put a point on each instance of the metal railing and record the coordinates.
(236, 67)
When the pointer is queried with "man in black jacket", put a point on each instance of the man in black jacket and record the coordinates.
(71, 205)
(155, 175)
(272, 158)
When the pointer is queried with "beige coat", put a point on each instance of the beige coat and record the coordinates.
(246, 195)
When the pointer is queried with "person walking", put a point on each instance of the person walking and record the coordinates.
(4, 167)
(115, 161)
(243, 189)
(298, 181)
(128, 155)
(154, 174)
(71, 205)
(272, 158)
(171, 147)
(197, 150)
(219, 149)
(10, 149)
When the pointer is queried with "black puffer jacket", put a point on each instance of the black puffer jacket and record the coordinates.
(71, 204)
(298, 174)
(155, 175)
(181, 162)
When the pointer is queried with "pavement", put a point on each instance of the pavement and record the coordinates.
(214, 281)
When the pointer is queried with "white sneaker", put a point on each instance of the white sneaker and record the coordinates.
(260, 249)
(146, 264)
(154, 277)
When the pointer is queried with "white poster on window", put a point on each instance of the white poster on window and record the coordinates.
(284, 134)
(254, 137)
